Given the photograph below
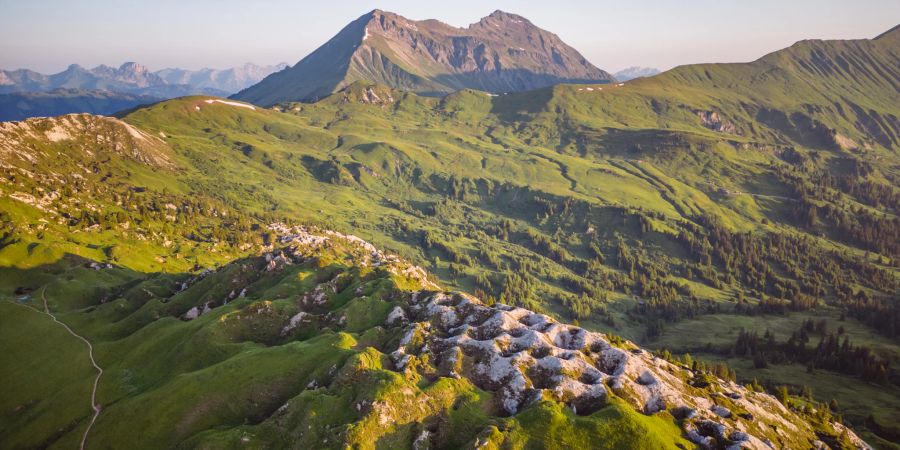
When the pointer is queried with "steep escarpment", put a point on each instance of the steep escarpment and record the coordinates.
(502, 52)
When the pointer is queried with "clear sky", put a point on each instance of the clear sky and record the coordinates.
(48, 35)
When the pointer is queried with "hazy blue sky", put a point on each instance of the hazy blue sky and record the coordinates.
(47, 35)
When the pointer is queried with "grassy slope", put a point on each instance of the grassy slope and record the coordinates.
(232, 378)
(42, 409)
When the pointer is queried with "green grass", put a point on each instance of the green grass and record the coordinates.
(47, 379)
(532, 184)
(617, 426)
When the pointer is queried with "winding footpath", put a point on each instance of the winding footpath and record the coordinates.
(94, 405)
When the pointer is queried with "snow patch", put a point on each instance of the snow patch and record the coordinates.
(229, 103)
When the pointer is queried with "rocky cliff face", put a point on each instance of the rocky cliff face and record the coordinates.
(502, 52)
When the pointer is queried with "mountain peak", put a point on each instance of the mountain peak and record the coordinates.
(131, 66)
(378, 14)
(502, 52)
(387, 19)
(499, 19)
(506, 16)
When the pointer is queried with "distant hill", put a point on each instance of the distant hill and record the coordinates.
(633, 72)
(22, 105)
(502, 52)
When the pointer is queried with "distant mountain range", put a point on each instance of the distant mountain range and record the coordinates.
(228, 80)
(104, 90)
(134, 78)
(633, 72)
(502, 52)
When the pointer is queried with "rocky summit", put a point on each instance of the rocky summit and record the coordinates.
(502, 52)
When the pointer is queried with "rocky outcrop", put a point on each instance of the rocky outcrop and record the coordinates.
(367, 94)
(712, 120)
(523, 356)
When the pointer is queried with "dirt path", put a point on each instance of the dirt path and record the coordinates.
(94, 405)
